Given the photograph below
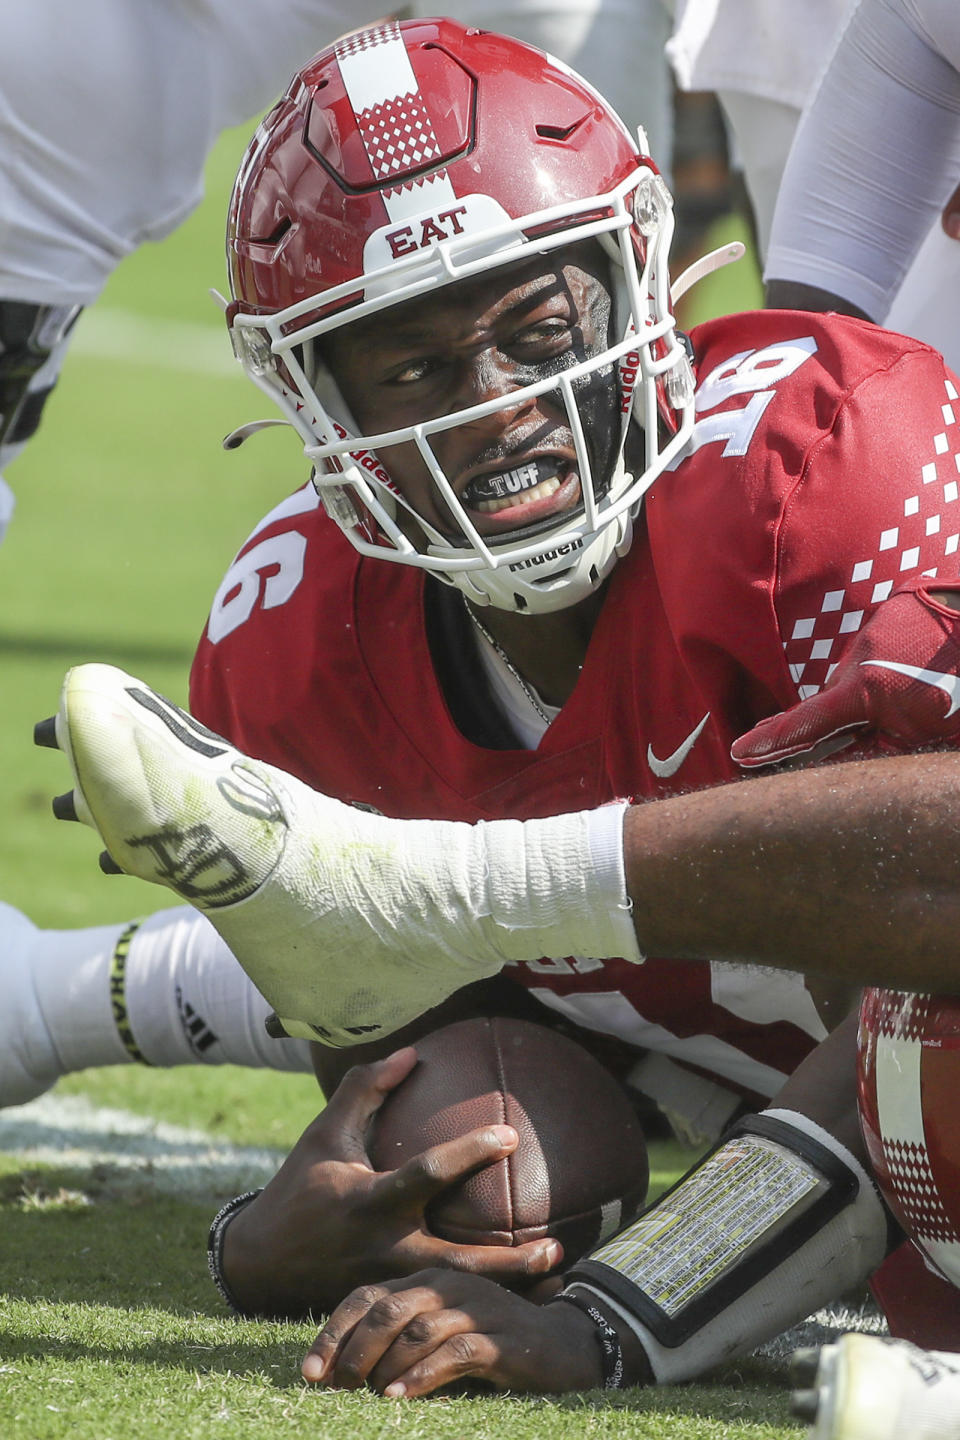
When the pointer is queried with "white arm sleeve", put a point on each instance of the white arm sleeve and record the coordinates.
(876, 155)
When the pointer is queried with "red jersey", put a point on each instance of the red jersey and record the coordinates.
(823, 470)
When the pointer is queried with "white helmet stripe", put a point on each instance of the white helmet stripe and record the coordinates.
(392, 117)
(375, 67)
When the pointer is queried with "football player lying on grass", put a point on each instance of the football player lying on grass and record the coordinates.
(782, 1215)
(548, 561)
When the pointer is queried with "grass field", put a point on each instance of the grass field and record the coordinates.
(109, 1329)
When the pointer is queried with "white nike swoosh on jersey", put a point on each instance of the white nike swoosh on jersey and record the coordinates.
(665, 768)
(949, 684)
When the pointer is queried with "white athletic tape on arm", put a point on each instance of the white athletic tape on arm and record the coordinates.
(393, 916)
(556, 887)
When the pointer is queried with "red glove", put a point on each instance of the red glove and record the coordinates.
(900, 676)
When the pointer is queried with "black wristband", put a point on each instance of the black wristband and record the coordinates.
(611, 1351)
(218, 1229)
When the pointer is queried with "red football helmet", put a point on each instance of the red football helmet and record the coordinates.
(406, 158)
(908, 1082)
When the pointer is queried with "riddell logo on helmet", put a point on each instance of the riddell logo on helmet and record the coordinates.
(629, 369)
(368, 461)
(569, 549)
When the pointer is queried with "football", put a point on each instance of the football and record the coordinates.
(580, 1170)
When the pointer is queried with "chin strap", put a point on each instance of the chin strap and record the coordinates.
(706, 265)
(235, 439)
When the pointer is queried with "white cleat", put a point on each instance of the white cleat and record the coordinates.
(28, 1062)
(173, 802)
(330, 910)
(872, 1387)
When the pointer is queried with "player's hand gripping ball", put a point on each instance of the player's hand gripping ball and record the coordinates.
(580, 1170)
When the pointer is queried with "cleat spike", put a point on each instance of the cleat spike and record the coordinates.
(274, 1027)
(804, 1365)
(804, 1404)
(45, 733)
(64, 806)
(108, 865)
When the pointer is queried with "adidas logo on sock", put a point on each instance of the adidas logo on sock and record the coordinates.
(198, 1034)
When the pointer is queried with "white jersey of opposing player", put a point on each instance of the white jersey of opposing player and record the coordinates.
(108, 110)
(763, 59)
(876, 157)
(772, 49)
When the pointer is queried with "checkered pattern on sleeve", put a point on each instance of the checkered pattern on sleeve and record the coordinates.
(914, 531)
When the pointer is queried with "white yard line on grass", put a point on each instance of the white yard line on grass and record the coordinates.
(127, 1149)
(108, 334)
(71, 1133)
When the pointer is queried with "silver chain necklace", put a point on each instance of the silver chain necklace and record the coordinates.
(531, 694)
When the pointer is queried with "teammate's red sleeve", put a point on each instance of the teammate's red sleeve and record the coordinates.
(872, 527)
(899, 677)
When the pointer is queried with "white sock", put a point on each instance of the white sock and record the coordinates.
(71, 978)
(163, 992)
(189, 1002)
